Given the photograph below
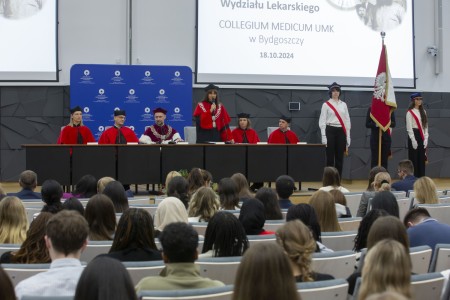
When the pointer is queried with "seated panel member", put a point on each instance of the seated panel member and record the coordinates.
(283, 135)
(244, 134)
(75, 132)
(118, 134)
(160, 133)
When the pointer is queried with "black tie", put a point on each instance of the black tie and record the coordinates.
(286, 138)
(244, 137)
(79, 136)
(120, 139)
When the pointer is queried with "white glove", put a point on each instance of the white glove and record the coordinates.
(348, 141)
(425, 143)
(414, 144)
(324, 139)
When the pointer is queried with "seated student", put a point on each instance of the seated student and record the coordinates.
(74, 204)
(283, 135)
(66, 237)
(425, 191)
(228, 194)
(28, 182)
(340, 203)
(170, 210)
(331, 180)
(116, 192)
(178, 188)
(179, 242)
(405, 171)
(252, 217)
(101, 218)
(203, 205)
(242, 185)
(86, 187)
(51, 194)
(323, 204)
(364, 228)
(387, 201)
(285, 187)
(381, 182)
(13, 221)
(269, 199)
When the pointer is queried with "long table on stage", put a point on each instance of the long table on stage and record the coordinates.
(149, 164)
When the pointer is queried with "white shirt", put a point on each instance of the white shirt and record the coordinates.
(330, 187)
(411, 124)
(328, 117)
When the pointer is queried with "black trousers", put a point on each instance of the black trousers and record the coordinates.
(336, 144)
(385, 148)
(417, 156)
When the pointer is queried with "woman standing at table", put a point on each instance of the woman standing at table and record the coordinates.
(334, 123)
(75, 132)
(244, 134)
(212, 119)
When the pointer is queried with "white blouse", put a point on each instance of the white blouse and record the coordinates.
(411, 124)
(328, 117)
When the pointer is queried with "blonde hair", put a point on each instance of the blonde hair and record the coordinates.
(102, 182)
(425, 190)
(323, 204)
(299, 244)
(382, 182)
(170, 176)
(13, 221)
(204, 204)
(387, 267)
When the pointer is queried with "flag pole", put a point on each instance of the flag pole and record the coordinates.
(380, 132)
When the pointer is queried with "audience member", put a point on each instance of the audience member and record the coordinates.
(331, 180)
(364, 228)
(102, 182)
(2, 192)
(74, 204)
(203, 205)
(387, 295)
(116, 192)
(170, 210)
(228, 194)
(340, 203)
(135, 237)
(265, 274)
(224, 236)
(51, 192)
(269, 198)
(405, 171)
(6, 286)
(253, 218)
(374, 171)
(285, 187)
(323, 204)
(207, 178)
(299, 244)
(387, 201)
(33, 249)
(28, 183)
(425, 191)
(13, 221)
(105, 279)
(170, 176)
(86, 187)
(178, 188)
(101, 218)
(179, 242)
(381, 182)
(242, 186)
(195, 180)
(66, 237)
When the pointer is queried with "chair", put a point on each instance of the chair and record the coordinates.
(139, 201)
(444, 200)
(440, 260)
(29, 297)
(33, 203)
(272, 129)
(95, 248)
(219, 268)
(335, 289)
(214, 293)
(440, 212)
(349, 224)
(273, 225)
(141, 269)
(31, 211)
(339, 264)
(404, 205)
(399, 194)
(353, 200)
(201, 240)
(190, 134)
(19, 272)
(268, 238)
(200, 227)
(8, 247)
(420, 259)
(427, 286)
(341, 240)
(235, 212)
(151, 208)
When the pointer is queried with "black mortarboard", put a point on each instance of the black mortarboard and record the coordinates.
(119, 112)
(76, 108)
(334, 85)
(211, 87)
(415, 95)
(159, 110)
(285, 119)
(243, 115)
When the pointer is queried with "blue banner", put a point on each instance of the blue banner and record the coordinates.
(100, 89)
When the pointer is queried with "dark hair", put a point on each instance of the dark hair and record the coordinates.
(364, 228)
(207, 176)
(68, 231)
(269, 199)
(105, 278)
(178, 188)
(86, 187)
(242, 185)
(179, 242)
(338, 197)
(101, 218)
(6, 286)
(305, 213)
(228, 194)
(406, 166)
(116, 192)
(225, 235)
(285, 186)
(195, 180)
(423, 115)
(28, 179)
(74, 204)
(135, 227)
(51, 192)
(388, 227)
(415, 214)
(331, 177)
(252, 216)
(33, 250)
(387, 201)
(374, 171)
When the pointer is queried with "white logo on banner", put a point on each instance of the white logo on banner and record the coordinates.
(101, 128)
(177, 110)
(86, 109)
(177, 73)
(147, 73)
(101, 91)
(117, 73)
(147, 110)
(162, 91)
(131, 91)
(86, 72)
(132, 128)
(116, 108)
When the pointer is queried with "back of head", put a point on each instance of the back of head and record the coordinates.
(6, 286)
(86, 187)
(406, 166)
(374, 171)
(178, 188)
(228, 194)
(105, 278)
(387, 201)
(299, 244)
(225, 235)
(74, 204)
(28, 180)
(331, 177)
(135, 228)
(338, 197)
(252, 216)
(101, 217)
(102, 182)
(195, 180)
(170, 176)
(207, 177)
(382, 182)
(271, 205)
(265, 273)
(425, 190)
(170, 210)
(387, 266)
(415, 215)
(13, 221)
(242, 185)
(305, 213)
(284, 186)
(388, 227)
(323, 204)
(51, 192)
(116, 192)
(179, 242)
(68, 232)
(204, 204)
(364, 227)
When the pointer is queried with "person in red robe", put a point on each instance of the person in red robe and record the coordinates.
(212, 119)
(244, 134)
(118, 134)
(75, 132)
(160, 133)
(283, 135)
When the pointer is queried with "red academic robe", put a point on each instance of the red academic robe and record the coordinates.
(69, 135)
(109, 135)
(222, 119)
(238, 135)
(156, 132)
(278, 137)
